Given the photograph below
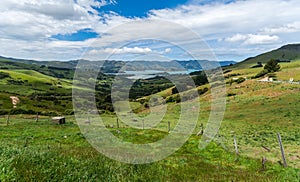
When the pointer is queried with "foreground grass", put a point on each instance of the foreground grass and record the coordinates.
(42, 151)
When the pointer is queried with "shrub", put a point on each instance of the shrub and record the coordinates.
(240, 80)
(227, 71)
(200, 79)
(4, 75)
(177, 99)
(174, 90)
(272, 66)
(4, 111)
(257, 66)
(232, 75)
(170, 99)
(202, 91)
(261, 74)
(22, 111)
(231, 94)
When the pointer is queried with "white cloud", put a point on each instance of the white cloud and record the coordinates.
(289, 28)
(38, 20)
(134, 50)
(27, 25)
(236, 38)
(168, 50)
(124, 50)
(261, 39)
(252, 39)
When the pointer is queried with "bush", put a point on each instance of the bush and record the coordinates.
(4, 111)
(174, 90)
(240, 80)
(272, 66)
(202, 91)
(231, 94)
(261, 74)
(177, 99)
(232, 75)
(200, 79)
(22, 111)
(227, 71)
(257, 66)
(4, 75)
(170, 99)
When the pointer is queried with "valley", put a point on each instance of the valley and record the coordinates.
(255, 112)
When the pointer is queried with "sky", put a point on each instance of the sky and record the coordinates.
(148, 30)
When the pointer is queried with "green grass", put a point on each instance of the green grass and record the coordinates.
(31, 151)
(43, 152)
(288, 52)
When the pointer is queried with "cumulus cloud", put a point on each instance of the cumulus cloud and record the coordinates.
(289, 28)
(168, 50)
(28, 25)
(39, 20)
(237, 38)
(252, 39)
(124, 50)
(261, 39)
(134, 50)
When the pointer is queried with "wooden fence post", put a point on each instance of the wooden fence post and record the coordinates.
(235, 146)
(7, 120)
(37, 117)
(282, 150)
(201, 130)
(169, 126)
(118, 125)
(263, 163)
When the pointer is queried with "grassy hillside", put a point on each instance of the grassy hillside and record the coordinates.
(287, 52)
(37, 92)
(288, 70)
(58, 72)
(43, 151)
(255, 113)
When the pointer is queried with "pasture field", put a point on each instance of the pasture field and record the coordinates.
(45, 152)
(255, 113)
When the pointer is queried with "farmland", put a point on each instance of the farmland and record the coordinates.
(255, 113)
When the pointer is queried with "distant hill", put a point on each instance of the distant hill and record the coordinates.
(57, 71)
(285, 53)
(107, 66)
(194, 64)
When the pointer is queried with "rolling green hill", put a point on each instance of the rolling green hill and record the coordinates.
(255, 113)
(288, 52)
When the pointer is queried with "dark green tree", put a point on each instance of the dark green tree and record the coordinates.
(272, 66)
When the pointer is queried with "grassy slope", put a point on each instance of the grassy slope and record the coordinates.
(257, 112)
(288, 70)
(254, 115)
(32, 80)
(30, 84)
(288, 52)
(42, 151)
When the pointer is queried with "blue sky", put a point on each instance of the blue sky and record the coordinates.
(132, 9)
(139, 8)
(71, 29)
(80, 35)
